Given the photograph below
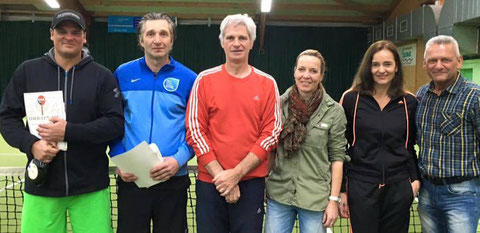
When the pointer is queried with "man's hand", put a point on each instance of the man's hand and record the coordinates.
(53, 132)
(44, 151)
(331, 214)
(233, 196)
(226, 180)
(164, 170)
(127, 177)
(344, 210)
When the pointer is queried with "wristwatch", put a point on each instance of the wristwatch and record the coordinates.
(335, 198)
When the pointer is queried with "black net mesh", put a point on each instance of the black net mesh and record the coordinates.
(11, 196)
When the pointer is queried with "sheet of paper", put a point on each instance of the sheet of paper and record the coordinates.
(40, 107)
(139, 160)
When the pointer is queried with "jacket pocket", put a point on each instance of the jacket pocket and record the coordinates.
(314, 164)
(317, 136)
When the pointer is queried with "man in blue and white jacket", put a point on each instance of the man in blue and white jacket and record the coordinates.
(155, 91)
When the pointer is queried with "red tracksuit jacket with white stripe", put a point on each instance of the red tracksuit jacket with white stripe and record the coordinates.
(229, 117)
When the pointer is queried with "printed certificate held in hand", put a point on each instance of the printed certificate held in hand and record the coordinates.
(40, 107)
(139, 161)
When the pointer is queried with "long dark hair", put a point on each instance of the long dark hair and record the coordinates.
(363, 81)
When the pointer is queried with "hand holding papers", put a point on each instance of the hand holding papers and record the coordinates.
(40, 107)
(139, 161)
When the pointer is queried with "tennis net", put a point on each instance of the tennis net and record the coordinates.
(11, 199)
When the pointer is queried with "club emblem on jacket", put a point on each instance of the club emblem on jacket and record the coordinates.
(171, 84)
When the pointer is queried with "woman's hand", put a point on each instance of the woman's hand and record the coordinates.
(331, 214)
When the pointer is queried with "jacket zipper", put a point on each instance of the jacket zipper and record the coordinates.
(382, 146)
(65, 153)
(151, 107)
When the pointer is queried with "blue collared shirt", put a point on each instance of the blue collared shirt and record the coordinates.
(448, 130)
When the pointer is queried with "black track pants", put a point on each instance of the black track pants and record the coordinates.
(375, 209)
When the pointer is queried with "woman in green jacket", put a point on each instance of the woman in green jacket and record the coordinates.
(306, 171)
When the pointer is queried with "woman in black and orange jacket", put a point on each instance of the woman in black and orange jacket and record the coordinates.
(382, 178)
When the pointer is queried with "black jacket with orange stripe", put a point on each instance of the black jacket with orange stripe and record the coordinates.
(380, 142)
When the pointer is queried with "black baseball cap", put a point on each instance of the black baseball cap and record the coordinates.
(68, 15)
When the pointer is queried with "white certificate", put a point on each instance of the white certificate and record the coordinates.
(139, 161)
(40, 107)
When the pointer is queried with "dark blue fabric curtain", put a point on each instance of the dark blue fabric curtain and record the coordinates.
(198, 47)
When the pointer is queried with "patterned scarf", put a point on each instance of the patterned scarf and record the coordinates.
(295, 130)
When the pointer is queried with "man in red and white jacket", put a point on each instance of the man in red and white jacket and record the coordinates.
(233, 121)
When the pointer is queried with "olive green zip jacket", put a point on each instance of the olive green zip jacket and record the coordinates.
(304, 179)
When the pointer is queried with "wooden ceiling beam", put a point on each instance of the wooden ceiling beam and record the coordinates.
(28, 13)
(181, 16)
(172, 4)
(64, 4)
(310, 6)
(271, 17)
(371, 13)
(371, 9)
(16, 2)
(324, 19)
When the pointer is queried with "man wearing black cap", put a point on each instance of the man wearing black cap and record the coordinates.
(77, 178)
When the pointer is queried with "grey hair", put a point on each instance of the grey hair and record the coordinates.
(238, 19)
(442, 39)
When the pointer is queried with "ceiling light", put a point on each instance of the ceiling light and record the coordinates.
(266, 6)
(53, 4)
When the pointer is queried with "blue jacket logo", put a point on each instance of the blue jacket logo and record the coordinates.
(171, 84)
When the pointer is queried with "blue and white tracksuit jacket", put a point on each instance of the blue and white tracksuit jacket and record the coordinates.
(154, 108)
